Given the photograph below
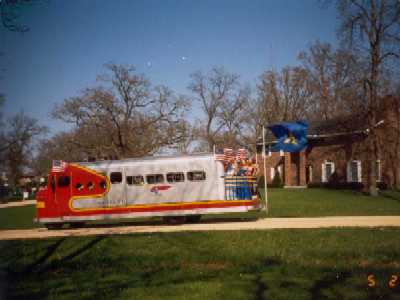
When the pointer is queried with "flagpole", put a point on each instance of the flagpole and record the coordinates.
(265, 172)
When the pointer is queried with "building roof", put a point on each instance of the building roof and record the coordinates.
(340, 126)
(343, 125)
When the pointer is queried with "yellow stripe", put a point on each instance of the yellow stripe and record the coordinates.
(40, 204)
(94, 195)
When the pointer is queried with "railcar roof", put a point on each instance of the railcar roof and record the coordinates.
(159, 159)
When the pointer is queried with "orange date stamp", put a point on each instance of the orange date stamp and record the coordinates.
(391, 281)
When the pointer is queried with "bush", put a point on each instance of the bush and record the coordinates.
(334, 181)
(357, 186)
(382, 186)
(276, 181)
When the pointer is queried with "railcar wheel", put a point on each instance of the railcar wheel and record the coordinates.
(193, 218)
(174, 220)
(53, 226)
(76, 224)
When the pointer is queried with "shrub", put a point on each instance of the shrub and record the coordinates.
(334, 181)
(382, 186)
(276, 181)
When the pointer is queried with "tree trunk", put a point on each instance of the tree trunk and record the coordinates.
(371, 163)
(397, 178)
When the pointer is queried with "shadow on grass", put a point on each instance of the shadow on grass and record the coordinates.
(41, 267)
(258, 280)
(41, 260)
(327, 282)
(207, 220)
(393, 195)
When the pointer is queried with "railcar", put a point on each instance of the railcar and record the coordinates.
(175, 187)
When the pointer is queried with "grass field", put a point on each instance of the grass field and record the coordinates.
(18, 217)
(323, 202)
(277, 264)
(283, 203)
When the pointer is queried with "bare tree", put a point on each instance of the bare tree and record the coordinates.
(124, 116)
(372, 30)
(334, 79)
(222, 100)
(18, 140)
(10, 14)
(284, 96)
(61, 146)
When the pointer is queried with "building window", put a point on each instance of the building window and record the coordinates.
(175, 177)
(196, 175)
(328, 168)
(116, 177)
(135, 180)
(155, 178)
(354, 171)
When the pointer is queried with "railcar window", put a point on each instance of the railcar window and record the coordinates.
(52, 184)
(90, 186)
(175, 177)
(135, 180)
(196, 175)
(116, 177)
(154, 178)
(63, 181)
(103, 184)
(79, 186)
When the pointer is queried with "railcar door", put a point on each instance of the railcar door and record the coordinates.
(116, 197)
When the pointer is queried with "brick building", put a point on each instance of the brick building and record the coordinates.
(339, 146)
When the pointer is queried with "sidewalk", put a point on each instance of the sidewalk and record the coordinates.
(18, 203)
(261, 224)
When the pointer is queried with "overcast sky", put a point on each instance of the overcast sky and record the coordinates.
(69, 41)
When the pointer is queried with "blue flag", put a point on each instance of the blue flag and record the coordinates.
(291, 137)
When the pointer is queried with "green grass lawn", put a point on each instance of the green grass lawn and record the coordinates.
(282, 203)
(323, 202)
(19, 217)
(276, 264)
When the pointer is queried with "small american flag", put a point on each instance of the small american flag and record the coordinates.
(229, 154)
(241, 154)
(219, 155)
(59, 166)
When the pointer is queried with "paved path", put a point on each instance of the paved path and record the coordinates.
(18, 203)
(269, 223)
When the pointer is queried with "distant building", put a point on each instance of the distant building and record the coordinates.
(338, 146)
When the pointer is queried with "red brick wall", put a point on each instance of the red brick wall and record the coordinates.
(271, 161)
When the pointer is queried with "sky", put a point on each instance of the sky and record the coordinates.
(70, 41)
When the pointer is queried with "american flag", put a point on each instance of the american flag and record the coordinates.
(228, 154)
(220, 155)
(241, 154)
(59, 166)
